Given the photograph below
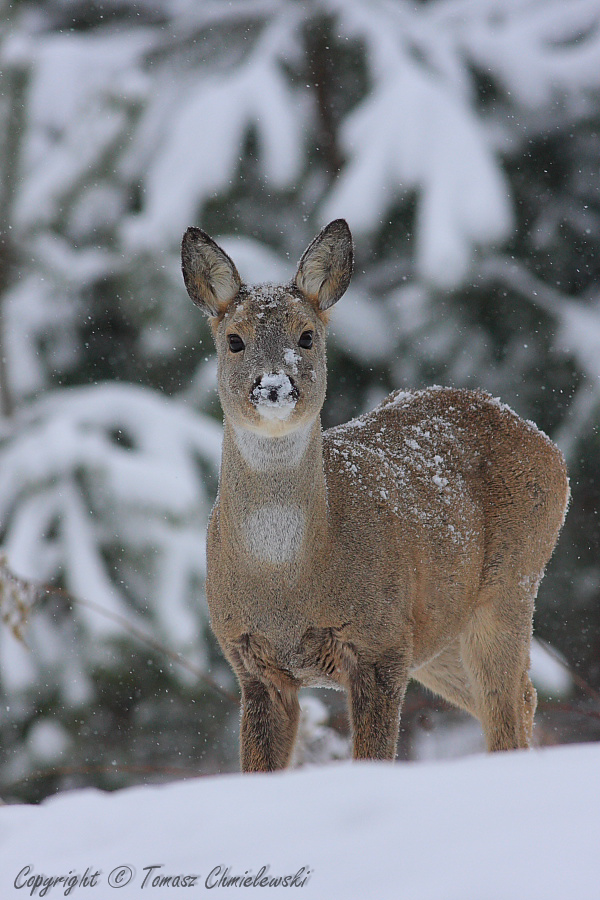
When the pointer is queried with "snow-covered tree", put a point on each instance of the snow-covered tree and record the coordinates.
(459, 139)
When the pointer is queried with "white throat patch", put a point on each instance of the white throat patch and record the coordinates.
(270, 453)
(274, 532)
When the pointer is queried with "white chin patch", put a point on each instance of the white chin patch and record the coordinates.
(275, 412)
(274, 397)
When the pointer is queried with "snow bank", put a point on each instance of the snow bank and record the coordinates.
(509, 826)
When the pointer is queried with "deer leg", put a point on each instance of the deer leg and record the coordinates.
(529, 705)
(376, 691)
(269, 725)
(495, 651)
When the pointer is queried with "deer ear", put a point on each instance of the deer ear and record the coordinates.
(210, 277)
(325, 270)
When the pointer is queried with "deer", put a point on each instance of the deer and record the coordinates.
(408, 543)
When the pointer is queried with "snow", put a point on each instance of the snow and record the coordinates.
(274, 396)
(576, 334)
(66, 140)
(143, 491)
(465, 198)
(537, 52)
(549, 670)
(291, 359)
(362, 327)
(255, 262)
(47, 741)
(317, 741)
(517, 824)
(418, 130)
(190, 169)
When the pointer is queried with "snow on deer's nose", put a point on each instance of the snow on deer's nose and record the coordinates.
(274, 395)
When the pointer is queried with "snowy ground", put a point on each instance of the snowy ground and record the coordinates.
(508, 827)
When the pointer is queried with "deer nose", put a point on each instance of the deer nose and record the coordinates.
(273, 388)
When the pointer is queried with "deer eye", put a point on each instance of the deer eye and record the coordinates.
(306, 340)
(236, 344)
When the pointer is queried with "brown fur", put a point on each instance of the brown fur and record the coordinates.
(407, 543)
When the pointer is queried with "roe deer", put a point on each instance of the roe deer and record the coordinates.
(407, 543)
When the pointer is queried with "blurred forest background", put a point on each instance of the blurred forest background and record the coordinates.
(460, 138)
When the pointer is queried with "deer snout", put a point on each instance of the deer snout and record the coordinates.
(274, 394)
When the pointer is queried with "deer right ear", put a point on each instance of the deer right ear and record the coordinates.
(210, 277)
(325, 270)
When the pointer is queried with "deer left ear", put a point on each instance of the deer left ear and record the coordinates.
(325, 270)
(210, 277)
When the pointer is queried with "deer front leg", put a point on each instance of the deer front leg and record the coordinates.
(269, 725)
(376, 691)
(270, 708)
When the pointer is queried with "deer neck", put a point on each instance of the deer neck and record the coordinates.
(272, 494)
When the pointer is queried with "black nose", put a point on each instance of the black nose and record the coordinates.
(272, 392)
